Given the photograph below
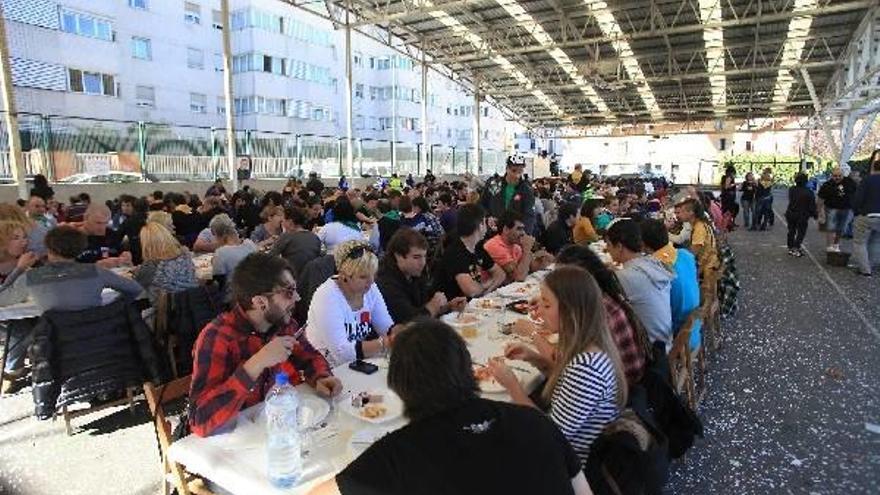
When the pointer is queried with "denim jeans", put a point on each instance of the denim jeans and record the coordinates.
(748, 208)
(866, 232)
(20, 337)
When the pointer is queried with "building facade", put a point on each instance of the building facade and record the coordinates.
(161, 61)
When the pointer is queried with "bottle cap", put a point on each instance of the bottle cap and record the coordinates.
(281, 379)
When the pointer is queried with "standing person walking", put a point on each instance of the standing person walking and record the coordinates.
(729, 207)
(866, 226)
(763, 202)
(836, 201)
(747, 200)
(801, 207)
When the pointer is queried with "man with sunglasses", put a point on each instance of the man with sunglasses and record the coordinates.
(511, 249)
(238, 354)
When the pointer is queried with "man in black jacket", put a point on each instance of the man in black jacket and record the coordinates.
(511, 192)
(837, 195)
(401, 282)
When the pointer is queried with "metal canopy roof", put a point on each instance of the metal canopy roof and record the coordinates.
(588, 62)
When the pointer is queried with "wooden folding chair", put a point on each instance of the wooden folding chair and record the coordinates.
(681, 360)
(69, 415)
(172, 472)
(711, 308)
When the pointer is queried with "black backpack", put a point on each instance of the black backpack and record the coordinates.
(656, 396)
(629, 457)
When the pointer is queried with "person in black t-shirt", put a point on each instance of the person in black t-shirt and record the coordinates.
(465, 269)
(104, 246)
(456, 442)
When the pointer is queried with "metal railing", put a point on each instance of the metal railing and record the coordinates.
(60, 147)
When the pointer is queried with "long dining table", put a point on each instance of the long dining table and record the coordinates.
(235, 459)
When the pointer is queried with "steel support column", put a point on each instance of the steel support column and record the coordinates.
(477, 132)
(227, 94)
(349, 105)
(425, 137)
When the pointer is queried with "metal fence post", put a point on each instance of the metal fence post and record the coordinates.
(298, 144)
(339, 155)
(215, 161)
(453, 159)
(142, 147)
(360, 150)
(418, 159)
(46, 146)
(467, 161)
(393, 161)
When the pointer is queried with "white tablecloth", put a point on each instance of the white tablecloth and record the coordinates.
(236, 461)
(29, 308)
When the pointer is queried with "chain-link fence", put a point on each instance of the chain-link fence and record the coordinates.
(74, 149)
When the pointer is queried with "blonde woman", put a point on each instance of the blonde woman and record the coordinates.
(14, 261)
(347, 318)
(270, 229)
(35, 232)
(586, 383)
(167, 265)
(163, 218)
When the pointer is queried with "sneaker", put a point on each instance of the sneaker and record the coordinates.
(834, 248)
(799, 252)
(792, 252)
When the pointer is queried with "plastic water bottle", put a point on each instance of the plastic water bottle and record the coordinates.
(283, 439)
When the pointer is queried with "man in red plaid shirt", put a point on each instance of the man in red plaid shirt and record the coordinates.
(238, 354)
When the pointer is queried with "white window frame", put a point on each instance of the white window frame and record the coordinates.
(192, 13)
(78, 30)
(142, 101)
(217, 19)
(104, 85)
(195, 106)
(147, 43)
(191, 62)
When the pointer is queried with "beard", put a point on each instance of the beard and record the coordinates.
(276, 315)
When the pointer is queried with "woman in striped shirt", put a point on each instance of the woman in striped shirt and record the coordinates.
(585, 385)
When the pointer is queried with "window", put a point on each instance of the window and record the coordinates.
(141, 48)
(195, 58)
(91, 83)
(218, 62)
(359, 91)
(145, 96)
(358, 122)
(192, 13)
(274, 65)
(138, 4)
(221, 105)
(86, 25)
(357, 59)
(217, 19)
(198, 103)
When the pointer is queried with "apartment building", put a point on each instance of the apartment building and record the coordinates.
(160, 61)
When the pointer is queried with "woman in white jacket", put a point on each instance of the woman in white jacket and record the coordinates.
(347, 317)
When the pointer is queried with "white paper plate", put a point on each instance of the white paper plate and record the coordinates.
(452, 319)
(392, 403)
(486, 304)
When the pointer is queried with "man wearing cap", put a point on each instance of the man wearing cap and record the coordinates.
(511, 192)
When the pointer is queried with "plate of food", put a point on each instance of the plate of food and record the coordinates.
(486, 303)
(520, 306)
(521, 290)
(486, 380)
(373, 406)
(467, 324)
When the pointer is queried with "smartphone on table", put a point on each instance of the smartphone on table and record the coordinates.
(363, 367)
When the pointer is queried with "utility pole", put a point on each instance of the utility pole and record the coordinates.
(10, 115)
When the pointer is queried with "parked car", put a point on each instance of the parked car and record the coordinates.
(109, 178)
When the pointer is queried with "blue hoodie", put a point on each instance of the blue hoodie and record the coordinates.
(684, 295)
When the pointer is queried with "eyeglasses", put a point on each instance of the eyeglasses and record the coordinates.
(287, 290)
(358, 252)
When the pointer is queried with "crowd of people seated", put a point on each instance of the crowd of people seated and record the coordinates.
(370, 269)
